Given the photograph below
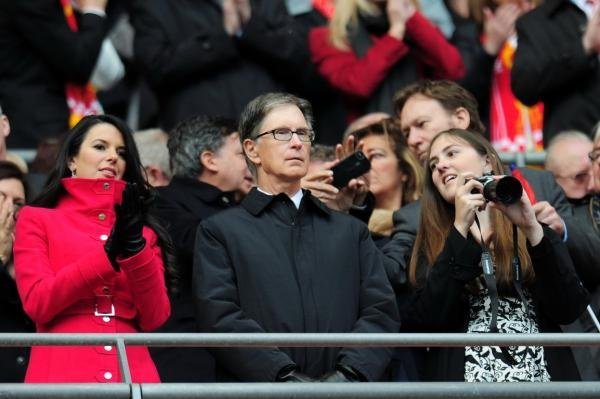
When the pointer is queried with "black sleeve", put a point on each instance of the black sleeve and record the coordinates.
(557, 289)
(549, 58)
(378, 312)
(219, 311)
(181, 226)
(43, 26)
(478, 64)
(364, 212)
(169, 61)
(438, 303)
(398, 250)
(583, 243)
(275, 39)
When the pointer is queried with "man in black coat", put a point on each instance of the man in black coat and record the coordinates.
(427, 108)
(208, 165)
(212, 57)
(557, 62)
(39, 54)
(284, 262)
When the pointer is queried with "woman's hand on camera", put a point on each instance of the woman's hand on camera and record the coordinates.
(522, 214)
(467, 200)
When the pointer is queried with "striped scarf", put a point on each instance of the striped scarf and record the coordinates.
(81, 100)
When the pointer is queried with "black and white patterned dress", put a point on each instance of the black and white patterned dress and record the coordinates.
(489, 364)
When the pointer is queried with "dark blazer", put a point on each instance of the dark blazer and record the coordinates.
(550, 65)
(197, 68)
(441, 304)
(267, 267)
(38, 55)
(181, 206)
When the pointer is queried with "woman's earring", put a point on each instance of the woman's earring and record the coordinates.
(73, 173)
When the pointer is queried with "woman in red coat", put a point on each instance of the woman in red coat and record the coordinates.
(373, 48)
(90, 259)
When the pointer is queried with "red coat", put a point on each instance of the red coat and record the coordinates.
(64, 276)
(360, 77)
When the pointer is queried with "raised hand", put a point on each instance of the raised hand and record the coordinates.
(398, 12)
(126, 238)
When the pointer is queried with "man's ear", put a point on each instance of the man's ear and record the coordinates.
(207, 160)
(461, 118)
(251, 151)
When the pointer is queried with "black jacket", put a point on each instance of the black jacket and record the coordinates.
(550, 65)
(267, 267)
(181, 206)
(441, 304)
(38, 55)
(197, 68)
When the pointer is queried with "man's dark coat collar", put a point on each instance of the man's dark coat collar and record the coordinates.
(256, 202)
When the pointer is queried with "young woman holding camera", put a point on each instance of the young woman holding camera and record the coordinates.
(471, 274)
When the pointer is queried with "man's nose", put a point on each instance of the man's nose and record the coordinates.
(295, 140)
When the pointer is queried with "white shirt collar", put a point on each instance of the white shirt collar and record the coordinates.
(584, 6)
(296, 198)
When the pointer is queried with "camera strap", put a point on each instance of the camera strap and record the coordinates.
(516, 269)
(487, 264)
(489, 277)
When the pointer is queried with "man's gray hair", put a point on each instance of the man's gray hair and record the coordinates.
(152, 146)
(257, 110)
(553, 150)
(192, 137)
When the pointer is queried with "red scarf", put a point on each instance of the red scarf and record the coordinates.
(513, 126)
(81, 100)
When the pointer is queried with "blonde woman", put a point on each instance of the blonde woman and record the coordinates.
(371, 49)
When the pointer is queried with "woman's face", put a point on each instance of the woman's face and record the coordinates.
(101, 155)
(450, 156)
(12, 189)
(385, 178)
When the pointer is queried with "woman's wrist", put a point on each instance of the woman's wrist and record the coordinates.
(461, 228)
(534, 234)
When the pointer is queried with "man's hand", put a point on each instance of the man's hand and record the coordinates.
(244, 10)
(231, 17)
(498, 26)
(545, 213)
(591, 36)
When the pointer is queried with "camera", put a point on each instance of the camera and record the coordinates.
(506, 190)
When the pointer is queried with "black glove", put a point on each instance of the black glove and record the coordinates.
(126, 238)
(343, 373)
(290, 373)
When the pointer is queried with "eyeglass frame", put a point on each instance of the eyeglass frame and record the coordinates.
(311, 134)
(594, 155)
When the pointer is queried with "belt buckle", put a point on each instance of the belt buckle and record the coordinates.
(111, 313)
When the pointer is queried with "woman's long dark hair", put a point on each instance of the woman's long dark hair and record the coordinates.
(134, 173)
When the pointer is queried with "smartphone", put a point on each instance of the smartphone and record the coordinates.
(349, 168)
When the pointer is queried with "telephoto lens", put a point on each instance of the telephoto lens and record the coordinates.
(506, 190)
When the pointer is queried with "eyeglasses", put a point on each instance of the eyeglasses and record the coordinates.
(594, 155)
(284, 134)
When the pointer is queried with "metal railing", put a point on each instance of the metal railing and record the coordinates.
(128, 389)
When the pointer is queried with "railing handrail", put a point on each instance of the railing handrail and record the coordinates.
(304, 339)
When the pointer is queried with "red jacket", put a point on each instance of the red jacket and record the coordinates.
(361, 76)
(67, 285)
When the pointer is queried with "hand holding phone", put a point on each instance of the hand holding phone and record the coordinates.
(349, 168)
